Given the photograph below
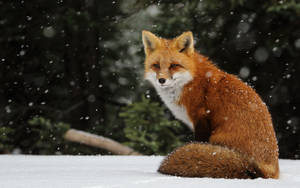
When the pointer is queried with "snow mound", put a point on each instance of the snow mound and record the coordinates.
(24, 171)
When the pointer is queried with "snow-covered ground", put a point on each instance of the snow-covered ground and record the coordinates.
(18, 171)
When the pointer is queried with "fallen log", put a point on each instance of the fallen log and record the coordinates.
(82, 137)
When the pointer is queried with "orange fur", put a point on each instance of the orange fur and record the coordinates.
(224, 112)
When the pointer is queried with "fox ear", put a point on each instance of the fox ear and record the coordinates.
(185, 43)
(150, 41)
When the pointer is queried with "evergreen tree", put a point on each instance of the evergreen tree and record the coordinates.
(149, 131)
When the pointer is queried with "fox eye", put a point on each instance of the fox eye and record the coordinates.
(174, 65)
(156, 65)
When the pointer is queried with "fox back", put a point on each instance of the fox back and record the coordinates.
(217, 106)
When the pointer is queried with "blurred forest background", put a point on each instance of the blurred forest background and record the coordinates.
(79, 64)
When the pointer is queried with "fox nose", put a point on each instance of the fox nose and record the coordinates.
(161, 80)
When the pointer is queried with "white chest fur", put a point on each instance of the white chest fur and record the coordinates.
(171, 94)
(170, 98)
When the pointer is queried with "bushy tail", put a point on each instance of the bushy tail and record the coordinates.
(206, 160)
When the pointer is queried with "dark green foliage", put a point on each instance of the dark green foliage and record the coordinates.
(5, 142)
(45, 137)
(149, 131)
(55, 60)
(283, 7)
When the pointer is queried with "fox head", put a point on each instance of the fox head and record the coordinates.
(168, 63)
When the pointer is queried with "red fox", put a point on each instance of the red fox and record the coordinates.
(233, 128)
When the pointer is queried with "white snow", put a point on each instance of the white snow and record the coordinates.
(22, 171)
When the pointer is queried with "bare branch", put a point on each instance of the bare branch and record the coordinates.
(99, 142)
